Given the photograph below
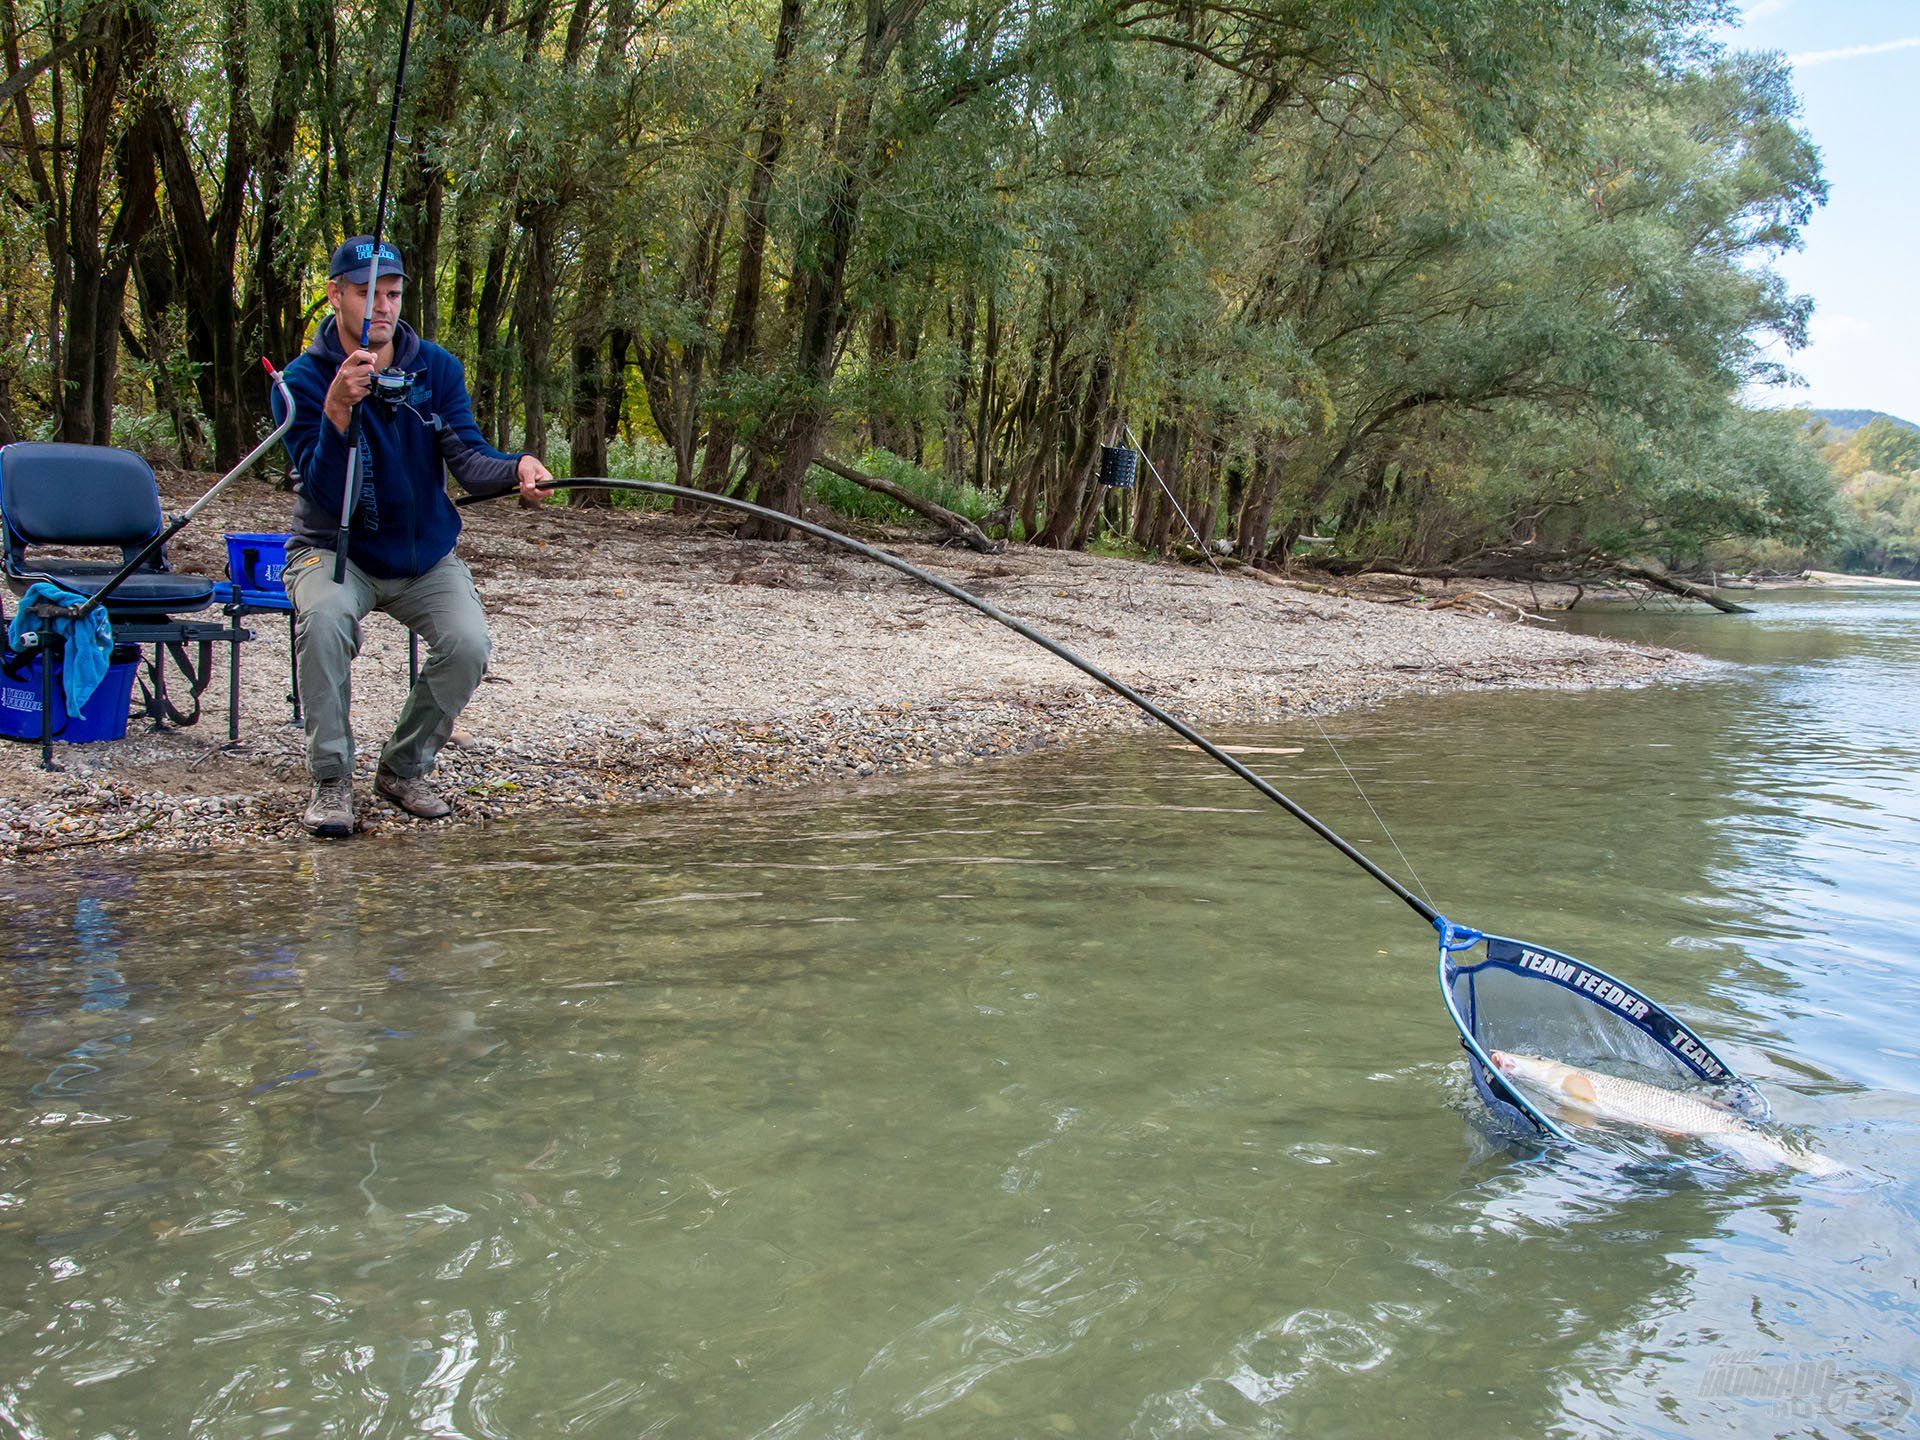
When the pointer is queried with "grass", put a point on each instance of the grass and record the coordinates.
(856, 502)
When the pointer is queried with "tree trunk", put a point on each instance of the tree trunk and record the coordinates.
(1263, 490)
(533, 318)
(96, 292)
(51, 199)
(953, 430)
(489, 408)
(276, 266)
(1063, 522)
(462, 317)
(793, 440)
(588, 434)
(208, 244)
(743, 314)
(983, 438)
(1682, 587)
(796, 440)
(420, 211)
(153, 289)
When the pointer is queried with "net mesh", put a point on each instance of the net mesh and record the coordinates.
(1506, 995)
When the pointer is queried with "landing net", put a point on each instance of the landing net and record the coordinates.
(1507, 995)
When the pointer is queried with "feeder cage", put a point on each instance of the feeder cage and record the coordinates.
(1117, 464)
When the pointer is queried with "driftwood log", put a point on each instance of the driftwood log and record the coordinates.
(1562, 569)
(1683, 587)
(958, 527)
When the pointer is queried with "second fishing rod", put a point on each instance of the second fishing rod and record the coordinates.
(350, 490)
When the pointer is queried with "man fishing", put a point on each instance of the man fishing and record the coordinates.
(414, 418)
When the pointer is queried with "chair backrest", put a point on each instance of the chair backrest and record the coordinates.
(57, 494)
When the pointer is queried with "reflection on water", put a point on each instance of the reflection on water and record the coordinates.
(1086, 1095)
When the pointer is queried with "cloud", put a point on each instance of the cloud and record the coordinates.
(1852, 52)
(1761, 9)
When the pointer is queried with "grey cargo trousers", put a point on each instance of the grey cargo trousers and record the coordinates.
(441, 606)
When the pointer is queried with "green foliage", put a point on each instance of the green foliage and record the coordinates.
(1437, 278)
(1885, 445)
(640, 459)
(844, 497)
(1877, 463)
(1885, 536)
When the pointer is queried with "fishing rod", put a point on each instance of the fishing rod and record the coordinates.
(1126, 692)
(180, 521)
(350, 492)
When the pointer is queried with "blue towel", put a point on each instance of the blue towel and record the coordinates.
(89, 642)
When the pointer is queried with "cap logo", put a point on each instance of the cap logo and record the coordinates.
(359, 254)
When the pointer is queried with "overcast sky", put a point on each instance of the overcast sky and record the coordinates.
(1856, 67)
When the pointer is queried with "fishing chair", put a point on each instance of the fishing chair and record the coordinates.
(90, 496)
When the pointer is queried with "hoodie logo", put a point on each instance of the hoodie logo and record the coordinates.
(366, 510)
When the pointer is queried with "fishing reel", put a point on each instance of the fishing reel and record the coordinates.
(395, 387)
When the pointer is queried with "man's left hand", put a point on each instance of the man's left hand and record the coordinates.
(536, 481)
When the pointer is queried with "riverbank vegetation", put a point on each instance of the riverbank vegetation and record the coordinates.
(1431, 283)
(1878, 467)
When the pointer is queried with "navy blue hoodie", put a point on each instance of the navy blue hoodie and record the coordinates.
(403, 522)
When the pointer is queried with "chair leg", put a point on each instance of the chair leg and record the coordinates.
(157, 702)
(233, 682)
(153, 685)
(293, 668)
(48, 653)
(413, 658)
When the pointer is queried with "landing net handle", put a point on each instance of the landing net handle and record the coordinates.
(1126, 692)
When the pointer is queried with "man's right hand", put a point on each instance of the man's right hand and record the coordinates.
(351, 382)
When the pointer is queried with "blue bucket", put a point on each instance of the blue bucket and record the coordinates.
(258, 562)
(103, 717)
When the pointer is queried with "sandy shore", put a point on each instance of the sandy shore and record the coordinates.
(639, 656)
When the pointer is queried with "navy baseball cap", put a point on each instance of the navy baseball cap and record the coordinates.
(353, 260)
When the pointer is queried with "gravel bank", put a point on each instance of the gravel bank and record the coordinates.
(639, 656)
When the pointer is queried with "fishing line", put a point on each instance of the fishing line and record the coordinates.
(1207, 552)
(1360, 790)
(1205, 549)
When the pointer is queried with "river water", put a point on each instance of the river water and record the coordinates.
(1084, 1095)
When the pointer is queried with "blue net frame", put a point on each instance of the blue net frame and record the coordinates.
(1511, 995)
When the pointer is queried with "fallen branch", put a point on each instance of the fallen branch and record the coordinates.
(76, 842)
(1520, 611)
(958, 527)
(1682, 587)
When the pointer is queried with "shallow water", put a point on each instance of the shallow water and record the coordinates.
(1086, 1094)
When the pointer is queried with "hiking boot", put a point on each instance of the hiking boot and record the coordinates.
(330, 811)
(412, 794)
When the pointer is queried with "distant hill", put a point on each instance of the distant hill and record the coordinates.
(1843, 423)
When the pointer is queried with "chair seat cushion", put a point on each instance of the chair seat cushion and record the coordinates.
(146, 593)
